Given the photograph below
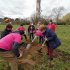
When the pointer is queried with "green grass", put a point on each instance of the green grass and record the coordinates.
(2, 27)
(63, 32)
(58, 64)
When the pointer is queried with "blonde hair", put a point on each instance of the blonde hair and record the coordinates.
(42, 27)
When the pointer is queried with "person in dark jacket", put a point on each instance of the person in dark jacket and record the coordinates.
(7, 30)
(31, 30)
(51, 39)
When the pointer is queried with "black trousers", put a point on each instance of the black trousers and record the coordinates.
(25, 36)
(31, 36)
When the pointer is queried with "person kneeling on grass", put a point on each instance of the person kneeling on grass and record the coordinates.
(11, 42)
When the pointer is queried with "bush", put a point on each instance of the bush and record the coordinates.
(61, 23)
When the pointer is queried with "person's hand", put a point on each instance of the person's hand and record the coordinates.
(46, 39)
(42, 46)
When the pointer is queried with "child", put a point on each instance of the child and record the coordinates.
(51, 39)
(31, 30)
(7, 30)
(52, 26)
(11, 42)
(41, 38)
(22, 27)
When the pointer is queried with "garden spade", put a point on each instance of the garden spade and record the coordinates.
(29, 45)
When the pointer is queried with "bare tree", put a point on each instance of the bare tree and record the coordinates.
(57, 12)
(38, 8)
(34, 18)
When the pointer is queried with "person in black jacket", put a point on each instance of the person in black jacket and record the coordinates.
(7, 30)
(31, 30)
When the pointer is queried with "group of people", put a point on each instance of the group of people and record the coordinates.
(10, 40)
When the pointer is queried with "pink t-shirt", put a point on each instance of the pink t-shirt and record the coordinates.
(38, 33)
(7, 41)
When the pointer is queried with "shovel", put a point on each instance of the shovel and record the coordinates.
(29, 45)
(40, 50)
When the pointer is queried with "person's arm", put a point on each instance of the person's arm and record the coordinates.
(15, 49)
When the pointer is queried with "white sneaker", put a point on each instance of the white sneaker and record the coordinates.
(20, 55)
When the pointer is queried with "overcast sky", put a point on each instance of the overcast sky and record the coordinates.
(25, 8)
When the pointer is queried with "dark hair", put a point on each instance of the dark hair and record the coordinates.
(9, 26)
(21, 24)
(51, 20)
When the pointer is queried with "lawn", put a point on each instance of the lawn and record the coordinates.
(62, 61)
(63, 33)
(2, 27)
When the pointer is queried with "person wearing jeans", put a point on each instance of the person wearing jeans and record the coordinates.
(11, 42)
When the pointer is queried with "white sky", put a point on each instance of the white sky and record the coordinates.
(25, 8)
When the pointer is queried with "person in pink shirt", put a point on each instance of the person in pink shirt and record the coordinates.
(22, 27)
(38, 33)
(11, 42)
(51, 26)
